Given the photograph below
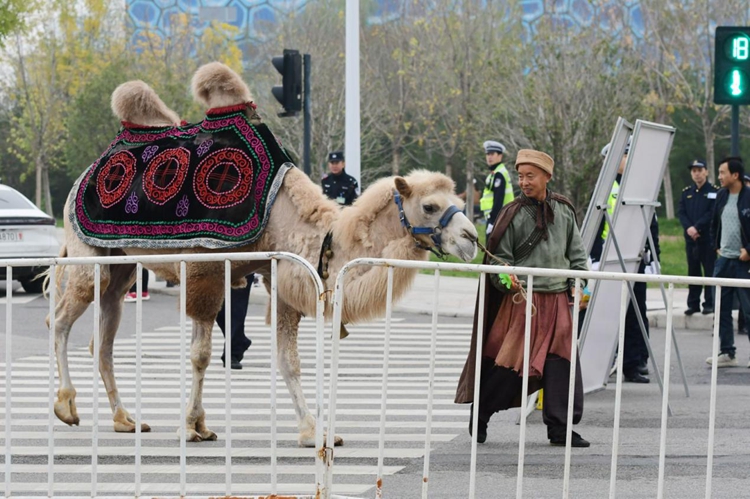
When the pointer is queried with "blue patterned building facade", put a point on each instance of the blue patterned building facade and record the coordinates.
(251, 17)
(585, 13)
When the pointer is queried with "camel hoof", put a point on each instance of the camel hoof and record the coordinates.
(208, 435)
(65, 413)
(128, 427)
(124, 422)
(194, 436)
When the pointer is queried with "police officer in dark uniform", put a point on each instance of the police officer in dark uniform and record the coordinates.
(337, 185)
(696, 205)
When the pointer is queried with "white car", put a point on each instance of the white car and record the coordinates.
(25, 232)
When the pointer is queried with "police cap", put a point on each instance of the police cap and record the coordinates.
(697, 163)
(336, 156)
(493, 146)
(605, 149)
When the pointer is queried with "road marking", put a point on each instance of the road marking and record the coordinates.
(21, 299)
(357, 415)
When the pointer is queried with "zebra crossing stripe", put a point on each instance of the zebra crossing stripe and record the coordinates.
(358, 411)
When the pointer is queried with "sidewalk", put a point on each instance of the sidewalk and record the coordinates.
(458, 295)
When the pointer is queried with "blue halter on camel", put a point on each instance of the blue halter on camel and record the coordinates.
(435, 233)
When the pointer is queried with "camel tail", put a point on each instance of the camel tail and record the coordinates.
(217, 85)
(135, 102)
(47, 275)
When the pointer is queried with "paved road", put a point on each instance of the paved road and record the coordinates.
(359, 397)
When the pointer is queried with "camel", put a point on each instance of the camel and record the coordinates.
(299, 221)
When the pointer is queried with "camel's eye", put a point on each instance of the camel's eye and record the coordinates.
(429, 208)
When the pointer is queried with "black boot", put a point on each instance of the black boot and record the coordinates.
(236, 362)
(481, 425)
(556, 435)
(635, 377)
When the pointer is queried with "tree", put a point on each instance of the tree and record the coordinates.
(49, 67)
(90, 125)
(683, 64)
(168, 63)
(393, 63)
(319, 31)
(577, 84)
(11, 16)
(470, 51)
(38, 130)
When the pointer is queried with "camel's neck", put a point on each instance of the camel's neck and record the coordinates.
(375, 235)
(357, 234)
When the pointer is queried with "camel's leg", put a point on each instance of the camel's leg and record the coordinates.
(79, 292)
(121, 278)
(289, 365)
(204, 297)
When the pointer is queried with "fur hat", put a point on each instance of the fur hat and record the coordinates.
(536, 158)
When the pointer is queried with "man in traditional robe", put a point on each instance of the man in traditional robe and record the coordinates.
(538, 229)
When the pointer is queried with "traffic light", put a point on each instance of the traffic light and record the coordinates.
(732, 65)
(289, 94)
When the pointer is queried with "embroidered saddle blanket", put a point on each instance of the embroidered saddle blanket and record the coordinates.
(209, 184)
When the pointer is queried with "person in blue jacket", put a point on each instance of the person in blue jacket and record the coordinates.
(730, 226)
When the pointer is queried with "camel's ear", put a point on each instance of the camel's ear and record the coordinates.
(403, 187)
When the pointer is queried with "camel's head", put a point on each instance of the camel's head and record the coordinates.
(432, 209)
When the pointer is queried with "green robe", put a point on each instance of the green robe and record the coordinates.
(563, 248)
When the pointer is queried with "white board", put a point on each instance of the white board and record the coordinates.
(640, 183)
(594, 216)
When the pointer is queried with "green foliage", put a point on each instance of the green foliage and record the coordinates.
(62, 80)
(11, 16)
(438, 77)
(90, 124)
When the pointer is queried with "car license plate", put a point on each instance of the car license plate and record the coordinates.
(11, 236)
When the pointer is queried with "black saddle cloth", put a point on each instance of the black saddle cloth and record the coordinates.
(210, 184)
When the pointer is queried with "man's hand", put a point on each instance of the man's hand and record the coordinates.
(744, 255)
(582, 303)
(693, 233)
(514, 284)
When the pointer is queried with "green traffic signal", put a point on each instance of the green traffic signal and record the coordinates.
(732, 65)
(736, 83)
(737, 47)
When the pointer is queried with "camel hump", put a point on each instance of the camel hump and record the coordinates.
(217, 85)
(136, 102)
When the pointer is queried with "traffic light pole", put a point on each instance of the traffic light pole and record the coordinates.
(306, 105)
(735, 130)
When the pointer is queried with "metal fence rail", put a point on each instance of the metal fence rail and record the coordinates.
(324, 450)
(321, 452)
(578, 276)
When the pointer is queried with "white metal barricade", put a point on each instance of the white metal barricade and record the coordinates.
(322, 454)
(484, 270)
